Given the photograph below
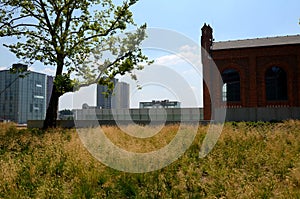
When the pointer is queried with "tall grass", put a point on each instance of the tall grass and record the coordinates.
(250, 160)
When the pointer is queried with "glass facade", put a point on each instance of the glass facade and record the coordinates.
(119, 99)
(23, 99)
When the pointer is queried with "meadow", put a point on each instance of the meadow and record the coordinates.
(250, 160)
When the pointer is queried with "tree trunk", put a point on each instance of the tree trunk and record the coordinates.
(51, 114)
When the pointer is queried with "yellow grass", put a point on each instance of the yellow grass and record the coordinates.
(250, 160)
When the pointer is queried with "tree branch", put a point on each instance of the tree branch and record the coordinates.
(29, 25)
(112, 28)
(36, 16)
(68, 20)
(52, 32)
(106, 67)
(30, 33)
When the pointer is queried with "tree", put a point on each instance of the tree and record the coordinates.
(67, 34)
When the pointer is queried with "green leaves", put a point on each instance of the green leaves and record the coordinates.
(84, 37)
(64, 84)
(62, 26)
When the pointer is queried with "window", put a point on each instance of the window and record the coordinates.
(276, 84)
(38, 97)
(231, 86)
(36, 107)
(10, 108)
(224, 92)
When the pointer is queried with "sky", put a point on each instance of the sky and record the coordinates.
(174, 43)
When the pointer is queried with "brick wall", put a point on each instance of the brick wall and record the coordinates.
(252, 64)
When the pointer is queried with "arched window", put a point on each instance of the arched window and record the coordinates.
(276, 84)
(231, 86)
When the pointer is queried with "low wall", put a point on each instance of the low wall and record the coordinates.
(60, 123)
(177, 116)
(96, 117)
(261, 114)
(155, 114)
(94, 123)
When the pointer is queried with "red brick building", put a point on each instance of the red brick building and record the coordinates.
(258, 77)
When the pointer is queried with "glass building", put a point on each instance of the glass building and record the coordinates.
(119, 99)
(24, 98)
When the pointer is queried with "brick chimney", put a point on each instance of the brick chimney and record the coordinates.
(206, 43)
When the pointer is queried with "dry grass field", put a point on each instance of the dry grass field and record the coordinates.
(250, 160)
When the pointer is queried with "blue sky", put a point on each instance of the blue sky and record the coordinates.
(230, 20)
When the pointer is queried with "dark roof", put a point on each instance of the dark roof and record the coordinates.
(248, 43)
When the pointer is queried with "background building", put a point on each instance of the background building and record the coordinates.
(119, 99)
(121, 96)
(26, 98)
(160, 104)
(261, 77)
(49, 88)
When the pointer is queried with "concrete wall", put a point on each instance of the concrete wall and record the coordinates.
(60, 123)
(261, 114)
(141, 116)
(168, 114)
(96, 117)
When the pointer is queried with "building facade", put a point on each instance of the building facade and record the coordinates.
(260, 76)
(160, 104)
(119, 99)
(23, 98)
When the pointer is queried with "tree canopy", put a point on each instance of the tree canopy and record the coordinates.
(84, 39)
